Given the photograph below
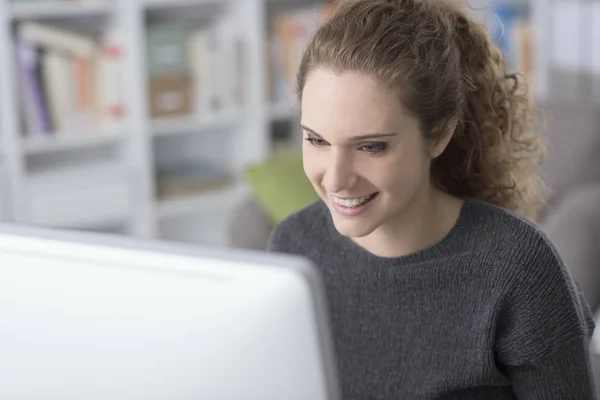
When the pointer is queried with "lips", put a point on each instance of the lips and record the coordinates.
(351, 207)
(353, 202)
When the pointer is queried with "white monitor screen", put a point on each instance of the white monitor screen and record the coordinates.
(84, 316)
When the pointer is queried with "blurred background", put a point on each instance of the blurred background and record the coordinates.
(176, 119)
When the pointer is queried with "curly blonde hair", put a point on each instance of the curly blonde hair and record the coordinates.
(444, 67)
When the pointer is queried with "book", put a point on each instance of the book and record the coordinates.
(44, 35)
(291, 34)
(59, 83)
(79, 82)
(33, 98)
(216, 66)
(111, 109)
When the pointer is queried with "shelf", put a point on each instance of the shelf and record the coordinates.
(174, 126)
(61, 142)
(82, 196)
(61, 9)
(209, 201)
(78, 174)
(170, 4)
(281, 112)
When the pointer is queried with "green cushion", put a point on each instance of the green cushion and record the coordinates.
(280, 186)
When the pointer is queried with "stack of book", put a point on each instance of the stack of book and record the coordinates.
(195, 70)
(291, 34)
(70, 82)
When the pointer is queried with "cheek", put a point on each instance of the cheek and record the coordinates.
(399, 172)
(311, 165)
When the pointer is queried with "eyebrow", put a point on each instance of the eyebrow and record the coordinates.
(357, 138)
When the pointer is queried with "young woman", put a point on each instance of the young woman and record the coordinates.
(421, 148)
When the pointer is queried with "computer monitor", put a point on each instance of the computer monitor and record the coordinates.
(93, 316)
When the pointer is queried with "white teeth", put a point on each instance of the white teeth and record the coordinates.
(352, 202)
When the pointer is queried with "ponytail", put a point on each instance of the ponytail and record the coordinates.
(495, 152)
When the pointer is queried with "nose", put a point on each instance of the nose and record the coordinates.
(340, 174)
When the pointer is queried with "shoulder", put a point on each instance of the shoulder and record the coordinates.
(543, 307)
(300, 228)
(509, 235)
(521, 252)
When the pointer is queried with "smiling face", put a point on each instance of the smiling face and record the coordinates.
(364, 155)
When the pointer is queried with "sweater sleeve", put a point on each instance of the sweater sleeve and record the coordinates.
(273, 243)
(544, 331)
(564, 374)
(278, 241)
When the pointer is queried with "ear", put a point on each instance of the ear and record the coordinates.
(441, 142)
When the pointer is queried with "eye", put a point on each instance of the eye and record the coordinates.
(374, 148)
(316, 141)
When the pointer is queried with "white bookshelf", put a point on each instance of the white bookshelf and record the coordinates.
(59, 180)
(68, 142)
(23, 11)
(233, 138)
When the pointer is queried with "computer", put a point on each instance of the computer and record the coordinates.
(94, 316)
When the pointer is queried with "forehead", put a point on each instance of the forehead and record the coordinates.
(348, 104)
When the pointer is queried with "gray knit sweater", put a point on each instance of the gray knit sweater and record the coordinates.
(490, 312)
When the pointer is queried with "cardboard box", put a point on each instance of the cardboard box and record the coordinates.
(188, 178)
(170, 96)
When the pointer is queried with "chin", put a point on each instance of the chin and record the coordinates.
(352, 229)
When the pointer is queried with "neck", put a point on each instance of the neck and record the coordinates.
(426, 220)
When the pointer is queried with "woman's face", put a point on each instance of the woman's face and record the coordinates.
(364, 155)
